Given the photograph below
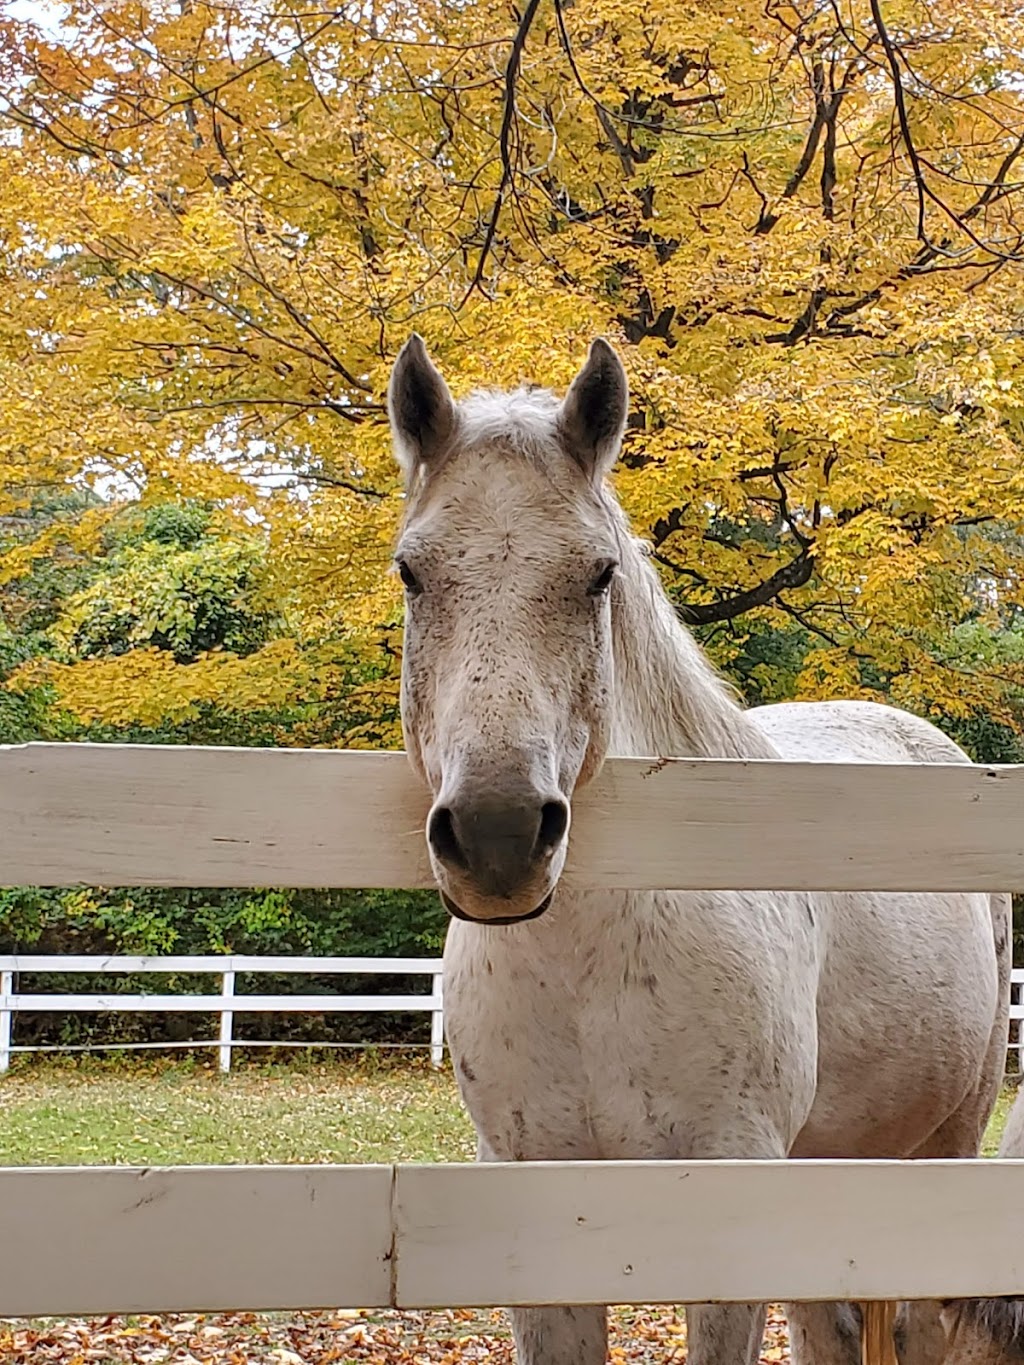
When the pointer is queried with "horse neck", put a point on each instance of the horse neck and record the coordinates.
(668, 699)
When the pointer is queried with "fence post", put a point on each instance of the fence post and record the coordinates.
(6, 991)
(227, 990)
(437, 1023)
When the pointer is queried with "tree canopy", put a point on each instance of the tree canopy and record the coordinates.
(802, 223)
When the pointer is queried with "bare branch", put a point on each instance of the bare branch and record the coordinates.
(504, 141)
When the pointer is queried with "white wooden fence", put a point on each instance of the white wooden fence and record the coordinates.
(1017, 1017)
(412, 1236)
(227, 1003)
(119, 1239)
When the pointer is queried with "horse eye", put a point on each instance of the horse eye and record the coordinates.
(412, 583)
(603, 581)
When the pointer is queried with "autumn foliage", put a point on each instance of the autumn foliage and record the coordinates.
(803, 224)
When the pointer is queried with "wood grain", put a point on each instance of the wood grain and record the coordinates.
(150, 815)
(99, 1240)
(105, 1239)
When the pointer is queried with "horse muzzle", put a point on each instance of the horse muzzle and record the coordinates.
(498, 857)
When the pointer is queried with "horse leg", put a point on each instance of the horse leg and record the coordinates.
(829, 1333)
(731, 1333)
(919, 1335)
(824, 1333)
(560, 1336)
(848, 1333)
(724, 1333)
(555, 1336)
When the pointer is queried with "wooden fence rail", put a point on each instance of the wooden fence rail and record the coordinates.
(146, 815)
(227, 1003)
(263, 1238)
(111, 1239)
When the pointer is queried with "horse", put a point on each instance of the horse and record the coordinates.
(985, 1331)
(600, 1024)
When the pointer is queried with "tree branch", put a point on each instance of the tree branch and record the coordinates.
(504, 142)
(792, 575)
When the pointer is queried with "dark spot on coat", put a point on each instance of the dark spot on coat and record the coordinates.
(649, 982)
(519, 1135)
(467, 1071)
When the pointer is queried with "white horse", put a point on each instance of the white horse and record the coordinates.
(654, 1025)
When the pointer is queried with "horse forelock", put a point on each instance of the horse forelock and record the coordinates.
(523, 420)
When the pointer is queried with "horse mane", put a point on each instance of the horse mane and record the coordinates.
(670, 701)
(1001, 1320)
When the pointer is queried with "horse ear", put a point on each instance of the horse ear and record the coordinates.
(420, 407)
(593, 414)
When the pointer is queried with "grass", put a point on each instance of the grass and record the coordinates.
(998, 1121)
(354, 1109)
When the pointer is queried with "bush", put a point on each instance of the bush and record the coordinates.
(161, 920)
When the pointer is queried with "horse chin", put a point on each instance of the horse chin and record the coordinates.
(458, 913)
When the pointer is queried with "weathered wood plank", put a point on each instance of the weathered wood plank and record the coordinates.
(202, 1239)
(98, 1240)
(698, 1232)
(163, 816)
(148, 815)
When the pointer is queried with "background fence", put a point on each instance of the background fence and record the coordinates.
(94, 1240)
(226, 1003)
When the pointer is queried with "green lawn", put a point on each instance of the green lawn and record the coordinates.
(166, 1113)
(998, 1122)
(102, 1113)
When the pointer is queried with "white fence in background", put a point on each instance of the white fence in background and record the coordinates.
(227, 1003)
(121, 1239)
(1017, 1016)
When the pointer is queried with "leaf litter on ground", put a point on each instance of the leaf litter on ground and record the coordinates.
(638, 1336)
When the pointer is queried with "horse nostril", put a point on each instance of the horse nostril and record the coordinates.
(554, 821)
(443, 840)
